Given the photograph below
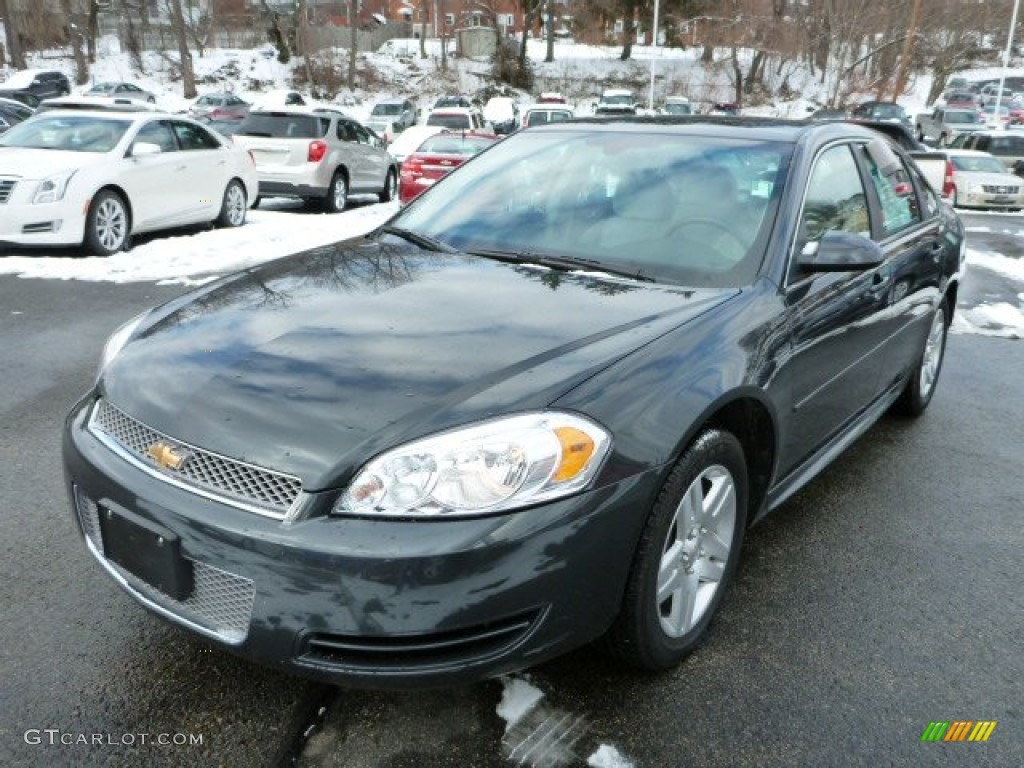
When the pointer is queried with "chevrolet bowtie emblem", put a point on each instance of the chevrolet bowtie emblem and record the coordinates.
(166, 455)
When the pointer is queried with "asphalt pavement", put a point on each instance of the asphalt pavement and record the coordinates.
(884, 596)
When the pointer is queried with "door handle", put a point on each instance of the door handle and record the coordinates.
(879, 285)
(936, 251)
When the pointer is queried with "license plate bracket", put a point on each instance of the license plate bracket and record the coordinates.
(146, 550)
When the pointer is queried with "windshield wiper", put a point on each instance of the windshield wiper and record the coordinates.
(423, 241)
(565, 263)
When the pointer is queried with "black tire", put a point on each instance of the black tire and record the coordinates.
(643, 634)
(337, 193)
(390, 187)
(924, 377)
(107, 225)
(956, 197)
(233, 205)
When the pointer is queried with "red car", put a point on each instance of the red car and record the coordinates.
(436, 156)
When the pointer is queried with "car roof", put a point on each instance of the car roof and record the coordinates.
(394, 100)
(453, 111)
(966, 153)
(108, 114)
(757, 128)
(95, 104)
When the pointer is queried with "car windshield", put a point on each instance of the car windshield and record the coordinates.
(963, 117)
(981, 163)
(67, 132)
(676, 208)
(103, 88)
(887, 111)
(618, 99)
(548, 116)
(453, 144)
(456, 122)
(387, 109)
(678, 109)
(280, 125)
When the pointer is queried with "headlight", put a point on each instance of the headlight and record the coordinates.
(52, 189)
(118, 339)
(490, 467)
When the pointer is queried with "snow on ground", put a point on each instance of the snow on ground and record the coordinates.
(608, 757)
(198, 257)
(518, 696)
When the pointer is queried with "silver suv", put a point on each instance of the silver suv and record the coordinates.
(317, 155)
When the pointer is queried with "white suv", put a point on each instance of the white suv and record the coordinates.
(317, 155)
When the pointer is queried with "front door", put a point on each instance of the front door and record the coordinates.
(837, 321)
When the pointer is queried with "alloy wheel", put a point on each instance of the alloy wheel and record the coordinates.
(696, 551)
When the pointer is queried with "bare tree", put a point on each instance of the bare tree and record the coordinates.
(72, 25)
(188, 77)
(11, 31)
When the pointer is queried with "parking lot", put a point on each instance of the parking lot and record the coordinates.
(884, 596)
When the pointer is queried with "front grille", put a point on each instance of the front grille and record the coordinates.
(412, 651)
(235, 482)
(220, 604)
(995, 189)
(6, 188)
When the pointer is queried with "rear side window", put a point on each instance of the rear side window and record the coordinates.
(1006, 145)
(284, 126)
(896, 195)
(194, 137)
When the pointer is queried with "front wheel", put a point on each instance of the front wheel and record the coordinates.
(233, 207)
(925, 375)
(686, 556)
(337, 194)
(106, 224)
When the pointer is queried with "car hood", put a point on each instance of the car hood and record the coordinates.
(311, 364)
(40, 163)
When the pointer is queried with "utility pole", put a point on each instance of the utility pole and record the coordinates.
(353, 43)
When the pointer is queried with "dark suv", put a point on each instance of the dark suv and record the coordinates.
(37, 83)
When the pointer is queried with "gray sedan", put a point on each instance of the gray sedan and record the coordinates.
(121, 91)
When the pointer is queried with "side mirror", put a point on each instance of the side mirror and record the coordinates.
(144, 149)
(841, 252)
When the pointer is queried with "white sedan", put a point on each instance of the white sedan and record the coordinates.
(92, 178)
(980, 180)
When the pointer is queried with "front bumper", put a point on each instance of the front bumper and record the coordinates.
(982, 199)
(374, 603)
(25, 223)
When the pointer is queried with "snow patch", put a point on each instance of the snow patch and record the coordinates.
(518, 697)
(1001, 319)
(997, 262)
(199, 257)
(608, 757)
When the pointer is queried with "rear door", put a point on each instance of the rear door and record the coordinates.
(158, 186)
(916, 241)
(207, 169)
